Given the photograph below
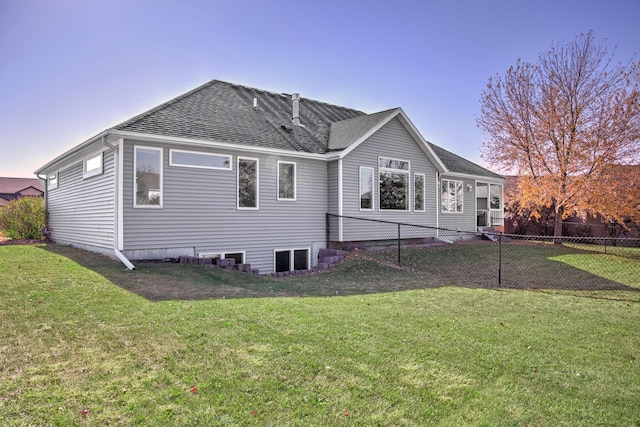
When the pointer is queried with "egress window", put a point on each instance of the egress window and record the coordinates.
(291, 260)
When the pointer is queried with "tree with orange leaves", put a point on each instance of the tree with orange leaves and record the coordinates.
(567, 126)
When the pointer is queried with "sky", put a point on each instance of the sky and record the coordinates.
(70, 69)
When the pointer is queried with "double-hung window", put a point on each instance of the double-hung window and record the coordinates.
(52, 182)
(247, 183)
(286, 181)
(148, 180)
(451, 196)
(394, 184)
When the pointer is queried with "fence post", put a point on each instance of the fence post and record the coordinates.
(500, 260)
(399, 245)
(327, 230)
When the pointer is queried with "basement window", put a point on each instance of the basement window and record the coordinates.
(291, 260)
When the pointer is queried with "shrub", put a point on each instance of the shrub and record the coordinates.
(23, 218)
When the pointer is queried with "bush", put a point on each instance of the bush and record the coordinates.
(23, 218)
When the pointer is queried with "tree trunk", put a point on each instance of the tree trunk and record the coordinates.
(557, 225)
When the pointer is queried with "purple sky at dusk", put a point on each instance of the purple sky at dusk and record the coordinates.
(71, 68)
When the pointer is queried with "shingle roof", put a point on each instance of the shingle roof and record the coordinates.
(15, 185)
(223, 112)
(457, 164)
(346, 132)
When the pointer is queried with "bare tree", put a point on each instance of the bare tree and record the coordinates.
(562, 123)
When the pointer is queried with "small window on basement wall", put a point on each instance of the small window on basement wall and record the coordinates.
(92, 166)
(291, 260)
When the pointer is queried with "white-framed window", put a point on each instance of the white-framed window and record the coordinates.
(366, 188)
(286, 180)
(418, 192)
(291, 259)
(199, 160)
(52, 182)
(92, 166)
(147, 164)
(495, 196)
(451, 196)
(238, 256)
(248, 183)
(393, 192)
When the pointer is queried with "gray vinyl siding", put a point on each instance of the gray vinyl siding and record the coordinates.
(465, 221)
(392, 141)
(81, 211)
(199, 212)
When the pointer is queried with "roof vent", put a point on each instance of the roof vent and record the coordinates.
(295, 117)
(255, 103)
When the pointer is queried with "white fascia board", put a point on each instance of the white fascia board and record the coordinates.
(408, 124)
(71, 156)
(370, 132)
(476, 177)
(143, 137)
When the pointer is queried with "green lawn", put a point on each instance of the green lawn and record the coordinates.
(85, 342)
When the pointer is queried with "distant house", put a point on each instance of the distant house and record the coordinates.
(17, 188)
(228, 171)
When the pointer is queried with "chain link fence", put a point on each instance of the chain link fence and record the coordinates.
(596, 266)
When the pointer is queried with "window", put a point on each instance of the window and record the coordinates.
(93, 166)
(418, 192)
(238, 257)
(366, 189)
(193, 159)
(247, 183)
(495, 200)
(394, 184)
(291, 259)
(451, 196)
(148, 180)
(52, 182)
(286, 181)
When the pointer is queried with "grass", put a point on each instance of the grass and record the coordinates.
(85, 342)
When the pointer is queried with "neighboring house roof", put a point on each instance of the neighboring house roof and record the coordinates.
(18, 185)
(228, 113)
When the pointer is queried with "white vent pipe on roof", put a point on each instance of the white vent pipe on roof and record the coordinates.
(295, 117)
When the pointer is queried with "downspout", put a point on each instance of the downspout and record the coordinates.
(118, 151)
(340, 206)
(46, 198)
(438, 204)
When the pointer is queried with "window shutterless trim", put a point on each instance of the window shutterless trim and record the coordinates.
(52, 181)
(448, 181)
(371, 188)
(135, 177)
(257, 206)
(295, 181)
(93, 166)
(415, 192)
(173, 163)
(292, 257)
